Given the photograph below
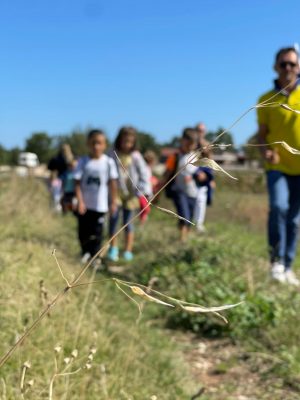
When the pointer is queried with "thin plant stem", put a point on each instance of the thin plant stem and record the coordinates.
(59, 267)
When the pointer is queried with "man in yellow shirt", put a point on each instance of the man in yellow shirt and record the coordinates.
(277, 123)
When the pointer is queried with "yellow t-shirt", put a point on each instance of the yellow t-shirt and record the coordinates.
(283, 125)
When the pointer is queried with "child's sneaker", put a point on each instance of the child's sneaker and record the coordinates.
(127, 255)
(291, 278)
(201, 228)
(97, 264)
(113, 253)
(85, 258)
(277, 272)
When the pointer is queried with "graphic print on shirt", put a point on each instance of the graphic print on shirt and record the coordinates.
(93, 180)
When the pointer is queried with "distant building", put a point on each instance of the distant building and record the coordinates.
(225, 158)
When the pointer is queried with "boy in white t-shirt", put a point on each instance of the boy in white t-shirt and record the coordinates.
(95, 183)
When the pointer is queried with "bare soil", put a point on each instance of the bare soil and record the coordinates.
(224, 371)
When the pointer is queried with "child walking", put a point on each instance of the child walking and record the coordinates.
(151, 160)
(133, 181)
(183, 189)
(95, 181)
(68, 200)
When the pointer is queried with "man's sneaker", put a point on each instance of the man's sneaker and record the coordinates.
(85, 258)
(127, 255)
(277, 272)
(113, 253)
(291, 278)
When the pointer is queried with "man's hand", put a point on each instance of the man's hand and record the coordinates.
(272, 156)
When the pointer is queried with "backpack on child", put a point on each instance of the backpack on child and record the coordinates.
(171, 187)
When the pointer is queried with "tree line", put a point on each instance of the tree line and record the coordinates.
(46, 146)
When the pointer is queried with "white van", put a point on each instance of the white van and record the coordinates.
(27, 159)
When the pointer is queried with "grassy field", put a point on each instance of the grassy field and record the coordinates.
(132, 360)
(165, 354)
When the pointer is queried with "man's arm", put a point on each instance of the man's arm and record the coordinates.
(268, 154)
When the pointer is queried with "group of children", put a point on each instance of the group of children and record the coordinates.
(120, 181)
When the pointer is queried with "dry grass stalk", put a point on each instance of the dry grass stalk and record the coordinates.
(189, 307)
(3, 389)
(286, 107)
(25, 367)
(104, 380)
(167, 211)
(43, 293)
(282, 143)
(207, 162)
(59, 268)
(140, 292)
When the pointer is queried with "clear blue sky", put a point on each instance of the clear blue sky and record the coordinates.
(159, 65)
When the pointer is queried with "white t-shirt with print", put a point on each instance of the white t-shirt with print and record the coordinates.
(94, 175)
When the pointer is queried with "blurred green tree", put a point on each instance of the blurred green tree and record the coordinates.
(76, 140)
(4, 156)
(252, 152)
(9, 157)
(13, 155)
(146, 141)
(40, 143)
(173, 142)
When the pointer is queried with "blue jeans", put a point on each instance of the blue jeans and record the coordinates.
(113, 220)
(185, 207)
(284, 216)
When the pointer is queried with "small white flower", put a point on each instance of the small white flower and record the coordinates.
(27, 364)
(74, 353)
(57, 349)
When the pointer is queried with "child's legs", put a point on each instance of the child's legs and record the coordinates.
(83, 232)
(96, 221)
(113, 223)
(129, 231)
(200, 206)
(184, 206)
(56, 191)
(191, 201)
(181, 202)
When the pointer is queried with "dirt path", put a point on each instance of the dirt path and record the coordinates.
(224, 371)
